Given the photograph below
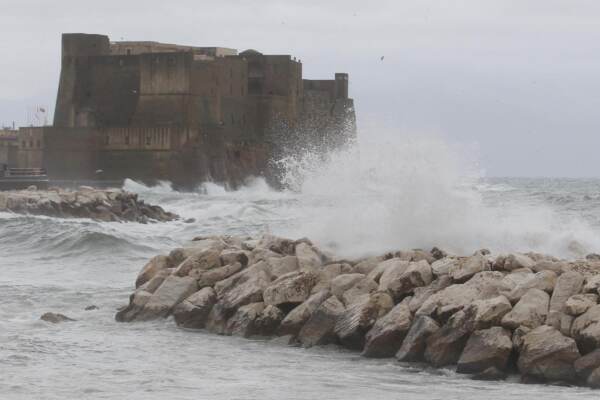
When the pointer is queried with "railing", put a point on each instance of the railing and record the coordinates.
(22, 172)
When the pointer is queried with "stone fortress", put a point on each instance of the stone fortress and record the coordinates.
(155, 111)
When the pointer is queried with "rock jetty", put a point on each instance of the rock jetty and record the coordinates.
(486, 316)
(86, 202)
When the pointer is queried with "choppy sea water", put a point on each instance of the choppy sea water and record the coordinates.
(49, 264)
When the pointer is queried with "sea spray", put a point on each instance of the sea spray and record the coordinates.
(381, 196)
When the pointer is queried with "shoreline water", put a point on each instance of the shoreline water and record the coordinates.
(65, 265)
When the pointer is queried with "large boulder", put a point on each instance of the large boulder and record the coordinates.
(486, 349)
(200, 260)
(394, 268)
(328, 273)
(193, 311)
(137, 301)
(593, 379)
(386, 336)
(352, 324)
(405, 279)
(530, 311)
(268, 321)
(443, 266)
(276, 244)
(414, 343)
(250, 290)
(468, 267)
(343, 282)
(234, 255)
(421, 294)
(547, 354)
(490, 312)
(290, 289)
(557, 267)
(308, 257)
(585, 365)
(356, 292)
(543, 280)
(242, 322)
(586, 329)
(149, 270)
(55, 318)
(567, 285)
(173, 290)
(156, 280)
(261, 269)
(580, 303)
(484, 285)
(376, 273)
(282, 265)
(212, 276)
(367, 265)
(445, 346)
(515, 261)
(592, 284)
(295, 319)
(319, 329)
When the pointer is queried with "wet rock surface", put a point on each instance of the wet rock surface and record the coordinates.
(108, 205)
(485, 316)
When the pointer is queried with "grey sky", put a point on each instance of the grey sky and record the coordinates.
(518, 79)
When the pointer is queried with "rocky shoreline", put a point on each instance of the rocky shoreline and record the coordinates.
(110, 205)
(486, 316)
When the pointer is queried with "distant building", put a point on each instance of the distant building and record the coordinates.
(150, 111)
(9, 146)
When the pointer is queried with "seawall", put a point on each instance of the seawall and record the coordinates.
(109, 205)
(487, 316)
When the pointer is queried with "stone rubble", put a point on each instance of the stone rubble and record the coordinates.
(108, 205)
(489, 317)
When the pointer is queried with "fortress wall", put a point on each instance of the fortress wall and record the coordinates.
(320, 85)
(65, 153)
(165, 88)
(76, 50)
(140, 47)
(232, 75)
(165, 73)
(135, 138)
(9, 147)
(31, 148)
(110, 92)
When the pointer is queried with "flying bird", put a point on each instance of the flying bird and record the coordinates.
(382, 57)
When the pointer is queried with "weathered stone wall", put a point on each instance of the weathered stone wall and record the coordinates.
(9, 147)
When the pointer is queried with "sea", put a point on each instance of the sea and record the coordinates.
(365, 200)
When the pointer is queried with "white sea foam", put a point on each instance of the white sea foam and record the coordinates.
(380, 196)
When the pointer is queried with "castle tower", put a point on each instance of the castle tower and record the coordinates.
(76, 48)
(341, 85)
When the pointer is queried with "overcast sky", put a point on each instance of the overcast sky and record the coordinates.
(517, 79)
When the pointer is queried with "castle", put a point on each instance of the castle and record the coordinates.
(155, 111)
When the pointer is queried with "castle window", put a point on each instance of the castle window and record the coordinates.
(128, 52)
(148, 140)
(31, 143)
(23, 144)
(38, 144)
(127, 139)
